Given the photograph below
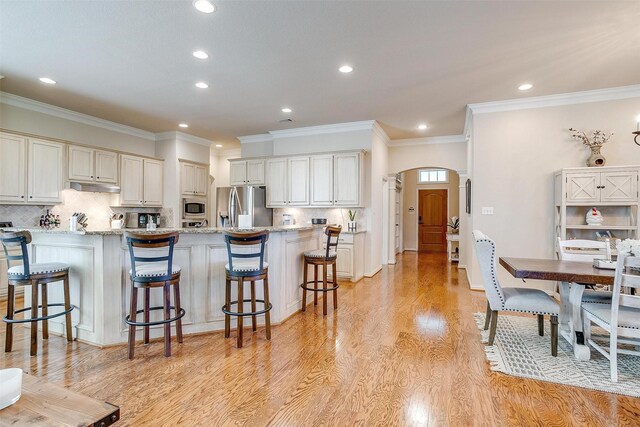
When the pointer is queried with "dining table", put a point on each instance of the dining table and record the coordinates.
(573, 277)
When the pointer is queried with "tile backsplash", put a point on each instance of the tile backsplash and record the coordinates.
(333, 216)
(97, 206)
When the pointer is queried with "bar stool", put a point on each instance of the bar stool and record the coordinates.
(34, 275)
(153, 271)
(247, 264)
(325, 258)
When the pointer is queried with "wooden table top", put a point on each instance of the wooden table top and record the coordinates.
(553, 269)
(47, 404)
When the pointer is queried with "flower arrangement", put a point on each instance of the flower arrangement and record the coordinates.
(598, 137)
(352, 215)
(629, 246)
(454, 224)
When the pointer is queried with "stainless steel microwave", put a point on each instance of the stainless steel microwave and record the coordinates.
(195, 207)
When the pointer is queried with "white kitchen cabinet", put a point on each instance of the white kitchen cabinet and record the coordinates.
(153, 186)
(344, 261)
(106, 166)
(255, 172)
(321, 180)
(80, 163)
(350, 259)
(238, 172)
(131, 180)
(193, 179)
(347, 179)
(45, 169)
(202, 180)
(298, 174)
(13, 168)
(247, 172)
(277, 182)
(602, 186)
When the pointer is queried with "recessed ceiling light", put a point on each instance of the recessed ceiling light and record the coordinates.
(218, 145)
(202, 85)
(47, 80)
(422, 126)
(346, 69)
(204, 6)
(183, 125)
(525, 86)
(286, 110)
(200, 54)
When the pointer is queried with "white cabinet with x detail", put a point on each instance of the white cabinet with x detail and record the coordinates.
(596, 187)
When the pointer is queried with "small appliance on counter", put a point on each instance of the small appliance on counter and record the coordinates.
(140, 220)
(195, 224)
(287, 219)
(318, 221)
(6, 224)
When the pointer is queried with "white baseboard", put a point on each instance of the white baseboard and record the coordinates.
(411, 249)
(462, 266)
(374, 272)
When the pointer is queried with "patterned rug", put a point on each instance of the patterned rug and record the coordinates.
(518, 350)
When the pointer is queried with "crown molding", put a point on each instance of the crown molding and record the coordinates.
(228, 152)
(252, 139)
(193, 139)
(377, 129)
(429, 140)
(324, 129)
(63, 113)
(598, 95)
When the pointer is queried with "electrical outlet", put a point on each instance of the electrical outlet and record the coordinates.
(487, 210)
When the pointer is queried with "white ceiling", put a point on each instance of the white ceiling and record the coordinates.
(415, 61)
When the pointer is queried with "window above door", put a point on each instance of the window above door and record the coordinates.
(429, 176)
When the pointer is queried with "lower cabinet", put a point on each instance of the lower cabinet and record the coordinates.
(350, 261)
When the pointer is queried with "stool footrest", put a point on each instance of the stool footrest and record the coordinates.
(248, 313)
(319, 289)
(37, 319)
(157, 322)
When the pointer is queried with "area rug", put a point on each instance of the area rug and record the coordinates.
(518, 350)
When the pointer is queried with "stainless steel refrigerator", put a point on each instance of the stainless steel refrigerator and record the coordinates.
(249, 200)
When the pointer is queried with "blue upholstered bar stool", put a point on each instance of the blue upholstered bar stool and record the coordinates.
(33, 274)
(154, 270)
(326, 258)
(245, 251)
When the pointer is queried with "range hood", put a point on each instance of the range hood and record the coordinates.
(94, 187)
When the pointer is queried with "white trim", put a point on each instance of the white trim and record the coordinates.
(429, 140)
(163, 136)
(63, 113)
(377, 129)
(598, 95)
(324, 129)
(410, 249)
(374, 271)
(228, 152)
(251, 139)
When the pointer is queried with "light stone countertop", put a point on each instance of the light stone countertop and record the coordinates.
(208, 230)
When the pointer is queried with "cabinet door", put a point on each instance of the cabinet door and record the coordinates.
(619, 186)
(344, 261)
(201, 181)
(583, 187)
(188, 178)
(276, 182)
(298, 178)
(12, 168)
(153, 182)
(255, 172)
(106, 167)
(45, 171)
(238, 173)
(322, 180)
(80, 163)
(131, 180)
(346, 187)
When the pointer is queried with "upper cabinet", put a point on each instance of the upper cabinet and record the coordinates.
(13, 166)
(45, 166)
(87, 164)
(298, 173)
(347, 179)
(193, 179)
(608, 187)
(277, 182)
(322, 180)
(142, 181)
(247, 172)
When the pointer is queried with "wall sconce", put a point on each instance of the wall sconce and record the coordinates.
(637, 132)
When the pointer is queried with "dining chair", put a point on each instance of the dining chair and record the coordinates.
(621, 318)
(586, 251)
(521, 300)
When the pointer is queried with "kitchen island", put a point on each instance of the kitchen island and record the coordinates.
(101, 289)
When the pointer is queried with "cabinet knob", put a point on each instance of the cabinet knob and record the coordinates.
(31, 197)
(22, 197)
(91, 176)
(97, 177)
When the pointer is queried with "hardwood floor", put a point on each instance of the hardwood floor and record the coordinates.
(402, 349)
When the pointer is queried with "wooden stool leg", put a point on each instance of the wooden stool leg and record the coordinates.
(8, 343)
(67, 306)
(267, 315)
(166, 291)
(487, 317)
(494, 324)
(45, 312)
(240, 309)
(176, 298)
(315, 284)
(147, 297)
(304, 283)
(335, 283)
(132, 318)
(541, 325)
(227, 302)
(324, 286)
(34, 314)
(254, 322)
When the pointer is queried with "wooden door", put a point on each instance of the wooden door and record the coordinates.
(432, 220)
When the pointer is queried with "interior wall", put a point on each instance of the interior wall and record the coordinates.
(515, 154)
(447, 155)
(410, 188)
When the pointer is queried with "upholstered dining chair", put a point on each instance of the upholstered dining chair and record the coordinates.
(621, 318)
(586, 251)
(521, 300)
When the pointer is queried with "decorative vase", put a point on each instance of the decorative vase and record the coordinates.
(596, 159)
(455, 230)
(352, 225)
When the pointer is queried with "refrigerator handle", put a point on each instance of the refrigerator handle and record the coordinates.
(231, 208)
